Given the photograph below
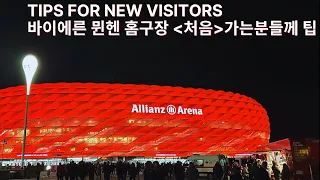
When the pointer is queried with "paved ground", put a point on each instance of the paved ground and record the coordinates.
(54, 178)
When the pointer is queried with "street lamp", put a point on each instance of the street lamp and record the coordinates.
(29, 64)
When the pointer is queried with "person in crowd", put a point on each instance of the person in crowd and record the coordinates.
(166, 167)
(227, 171)
(158, 171)
(132, 171)
(76, 171)
(148, 172)
(218, 171)
(253, 171)
(125, 170)
(258, 171)
(66, 176)
(276, 170)
(119, 170)
(114, 169)
(82, 170)
(285, 175)
(92, 171)
(73, 171)
(245, 172)
(27, 171)
(99, 171)
(171, 170)
(61, 172)
(235, 171)
(263, 173)
(48, 172)
(179, 171)
(38, 171)
(138, 170)
(106, 169)
(67, 168)
(223, 162)
(192, 172)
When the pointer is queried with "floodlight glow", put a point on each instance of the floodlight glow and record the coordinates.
(29, 64)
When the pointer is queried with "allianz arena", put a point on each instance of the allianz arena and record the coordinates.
(109, 120)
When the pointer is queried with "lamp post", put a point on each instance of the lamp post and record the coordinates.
(29, 64)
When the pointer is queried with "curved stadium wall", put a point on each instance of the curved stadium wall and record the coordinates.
(94, 120)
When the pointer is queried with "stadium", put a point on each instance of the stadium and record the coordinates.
(111, 120)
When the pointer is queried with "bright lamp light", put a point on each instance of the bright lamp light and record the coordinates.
(29, 64)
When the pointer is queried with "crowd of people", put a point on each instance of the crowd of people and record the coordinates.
(257, 170)
(155, 171)
(121, 170)
(251, 170)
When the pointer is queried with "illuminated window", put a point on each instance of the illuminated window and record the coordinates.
(199, 162)
(103, 140)
(58, 143)
(7, 150)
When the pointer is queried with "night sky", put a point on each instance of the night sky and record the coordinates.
(281, 73)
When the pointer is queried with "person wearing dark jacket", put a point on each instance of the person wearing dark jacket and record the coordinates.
(132, 171)
(125, 167)
(138, 170)
(92, 171)
(285, 175)
(264, 174)
(236, 171)
(82, 170)
(148, 172)
(218, 171)
(98, 170)
(256, 170)
(192, 172)
(73, 171)
(61, 171)
(158, 171)
(66, 167)
(38, 171)
(120, 170)
(276, 171)
(106, 169)
(68, 170)
(179, 171)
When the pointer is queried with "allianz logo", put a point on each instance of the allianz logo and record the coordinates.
(170, 109)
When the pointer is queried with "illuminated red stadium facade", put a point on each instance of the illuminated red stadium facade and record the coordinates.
(94, 120)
